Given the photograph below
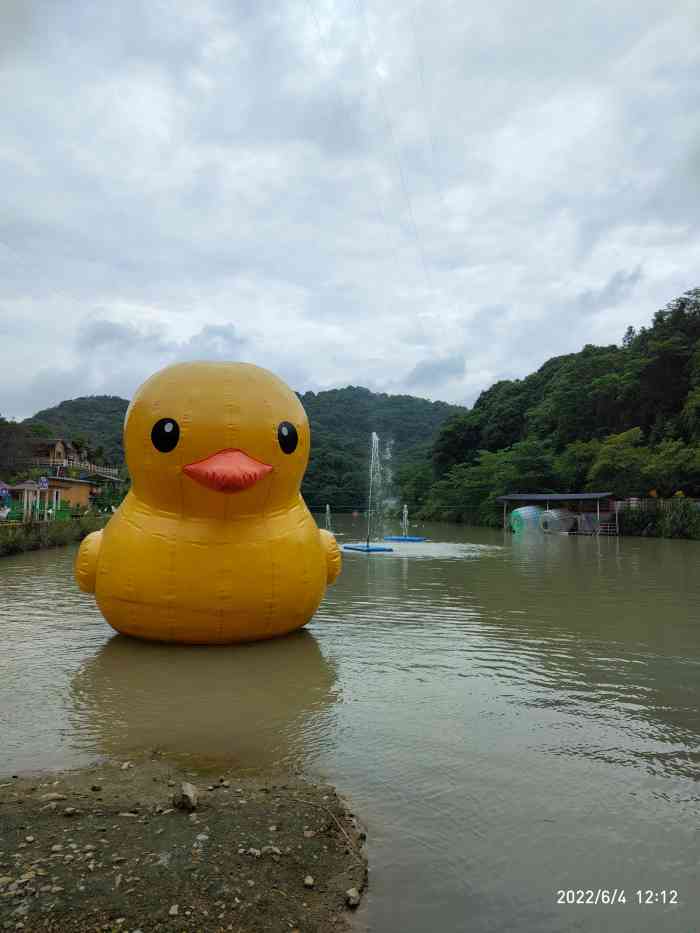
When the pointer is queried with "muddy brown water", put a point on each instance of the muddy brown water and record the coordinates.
(512, 716)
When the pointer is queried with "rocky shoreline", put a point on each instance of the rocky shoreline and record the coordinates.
(149, 847)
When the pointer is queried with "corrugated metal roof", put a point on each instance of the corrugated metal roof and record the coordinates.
(552, 496)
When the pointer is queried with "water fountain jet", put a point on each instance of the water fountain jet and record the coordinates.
(404, 527)
(375, 482)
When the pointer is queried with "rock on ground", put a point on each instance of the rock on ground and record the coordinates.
(125, 859)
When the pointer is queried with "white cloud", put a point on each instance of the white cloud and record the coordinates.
(345, 199)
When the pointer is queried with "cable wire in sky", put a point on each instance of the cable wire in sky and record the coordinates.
(377, 202)
(427, 105)
(362, 12)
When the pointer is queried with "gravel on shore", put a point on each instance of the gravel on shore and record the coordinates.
(149, 847)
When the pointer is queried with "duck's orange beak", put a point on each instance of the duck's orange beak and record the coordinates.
(227, 471)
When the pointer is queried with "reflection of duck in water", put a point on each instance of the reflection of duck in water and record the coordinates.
(253, 704)
(214, 543)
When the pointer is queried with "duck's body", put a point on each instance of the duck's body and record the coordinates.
(190, 558)
(211, 584)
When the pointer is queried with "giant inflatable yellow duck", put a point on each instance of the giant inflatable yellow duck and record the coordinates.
(214, 543)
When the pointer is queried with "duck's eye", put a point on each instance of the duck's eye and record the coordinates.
(165, 434)
(287, 437)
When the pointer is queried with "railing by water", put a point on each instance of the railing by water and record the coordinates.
(653, 504)
(84, 466)
(21, 516)
(607, 528)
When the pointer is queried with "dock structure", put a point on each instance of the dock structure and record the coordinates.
(578, 502)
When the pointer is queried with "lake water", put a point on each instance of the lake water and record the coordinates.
(510, 716)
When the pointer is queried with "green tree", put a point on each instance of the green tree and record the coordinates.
(39, 429)
(529, 467)
(582, 398)
(468, 492)
(690, 414)
(572, 465)
(620, 465)
(458, 441)
(414, 481)
(661, 363)
(15, 448)
(673, 466)
(680, 520)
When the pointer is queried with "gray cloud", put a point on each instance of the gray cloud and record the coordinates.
(344, 200)
(15, 27)
(212, 342)
(215, 342)
(100, 335)
(616, 289)
(435, 372)
(115, 358)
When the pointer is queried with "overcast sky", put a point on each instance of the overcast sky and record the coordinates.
(417, 197)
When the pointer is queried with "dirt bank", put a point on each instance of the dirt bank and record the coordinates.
(105, 849)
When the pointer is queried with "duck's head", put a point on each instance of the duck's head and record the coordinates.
(216, 440)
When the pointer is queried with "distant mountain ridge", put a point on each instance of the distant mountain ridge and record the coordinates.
(623, 418)
(342, 421)
(98, 419)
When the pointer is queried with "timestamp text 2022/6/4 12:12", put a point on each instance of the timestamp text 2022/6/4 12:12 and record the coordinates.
(608, 896)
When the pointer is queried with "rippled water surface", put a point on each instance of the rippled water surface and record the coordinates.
(511, 717)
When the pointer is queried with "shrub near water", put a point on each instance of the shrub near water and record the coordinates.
(15, 539)
(639, 522)
(681, 519)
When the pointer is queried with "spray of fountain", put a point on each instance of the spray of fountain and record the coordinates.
(375, 481)
(374, 499)
(405, 536)
(328, 518)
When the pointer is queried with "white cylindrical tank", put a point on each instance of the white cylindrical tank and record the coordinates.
(557, 521)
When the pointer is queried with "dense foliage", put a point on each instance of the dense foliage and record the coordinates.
(31, 536)
(621, 418)
(95, 422)
(679, 518)
(15, 446)
(342, 421)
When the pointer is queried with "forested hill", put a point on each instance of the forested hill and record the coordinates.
(342, 421)
(96, 419)
(622, 418)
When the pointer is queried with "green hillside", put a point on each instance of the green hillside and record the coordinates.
(622, 418)
(96, 419)
(342, 421)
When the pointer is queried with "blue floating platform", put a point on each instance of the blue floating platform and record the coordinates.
(367, 548)
(404, 538)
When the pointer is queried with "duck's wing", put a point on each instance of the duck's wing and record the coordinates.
(86, 562)
(334, 560)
